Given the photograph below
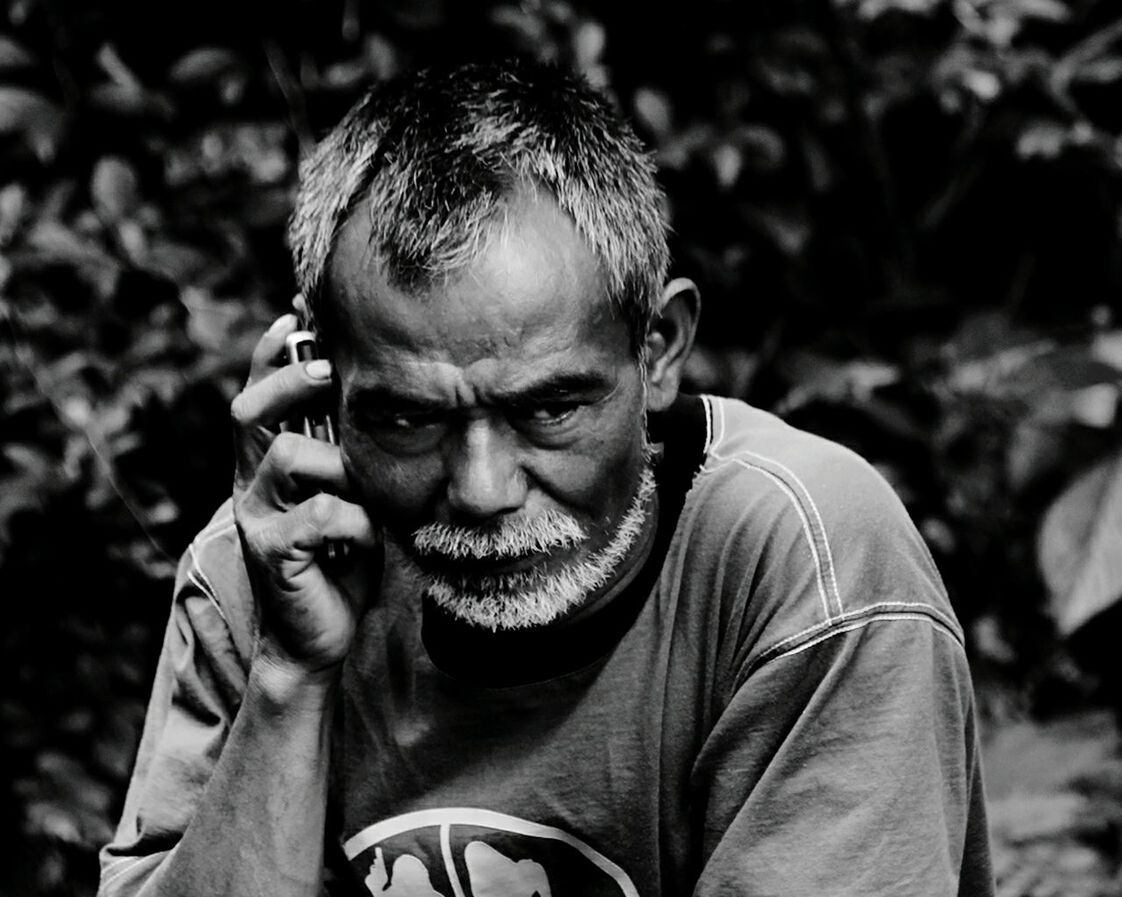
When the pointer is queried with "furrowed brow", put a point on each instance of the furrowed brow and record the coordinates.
(389, 399)
(556, 388)
(552, 389)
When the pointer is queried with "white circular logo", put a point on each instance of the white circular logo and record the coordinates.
(469, 852)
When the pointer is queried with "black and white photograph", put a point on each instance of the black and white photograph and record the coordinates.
(561, 448)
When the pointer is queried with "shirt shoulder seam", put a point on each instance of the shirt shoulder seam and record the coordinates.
(195, 573)
(883, 611)
(798, 494)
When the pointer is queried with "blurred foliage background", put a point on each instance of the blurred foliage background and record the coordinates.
(904, 215)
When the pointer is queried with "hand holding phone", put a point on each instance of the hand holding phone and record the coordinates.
(293, 508)
(301, 346)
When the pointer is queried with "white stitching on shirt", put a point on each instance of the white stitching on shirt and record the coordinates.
(790, 493)
(874, 610)
(832, 580)
(937, 625)
(817, 517)
(707, 403)
(106, 882)
(199, 578)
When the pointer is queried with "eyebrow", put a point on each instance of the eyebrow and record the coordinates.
(555, 388)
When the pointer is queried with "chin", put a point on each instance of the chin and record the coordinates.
(541, 594)
(514, 601)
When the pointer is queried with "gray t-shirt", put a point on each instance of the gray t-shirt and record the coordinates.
(779, 704)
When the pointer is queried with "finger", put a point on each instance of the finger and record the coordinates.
(300, 306)
(279, 394)
(303, 531)
(293, 468)
(268, 353)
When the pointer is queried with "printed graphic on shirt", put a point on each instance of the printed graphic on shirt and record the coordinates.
(468, 852)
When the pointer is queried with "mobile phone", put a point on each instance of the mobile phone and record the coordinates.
(301, 346)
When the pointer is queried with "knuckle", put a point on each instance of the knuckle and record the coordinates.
(320, 509)
(265, 539)
(284, 451)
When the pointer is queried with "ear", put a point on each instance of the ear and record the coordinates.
(669, 341)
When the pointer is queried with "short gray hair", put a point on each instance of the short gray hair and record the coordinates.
(439, 151)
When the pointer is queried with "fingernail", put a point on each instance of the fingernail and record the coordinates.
(320, 368)
(281, 323)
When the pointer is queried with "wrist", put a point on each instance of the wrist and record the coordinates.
(285, 685)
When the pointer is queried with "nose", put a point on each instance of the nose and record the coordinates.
(485, 478)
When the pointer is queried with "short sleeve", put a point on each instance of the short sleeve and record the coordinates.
(843, 756)
(848, 765)
(199, 680)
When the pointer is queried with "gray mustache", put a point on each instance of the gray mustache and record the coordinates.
(549, 531)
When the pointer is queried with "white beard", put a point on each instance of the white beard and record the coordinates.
(532, 597)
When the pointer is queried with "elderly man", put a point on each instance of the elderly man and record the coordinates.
(588, 636)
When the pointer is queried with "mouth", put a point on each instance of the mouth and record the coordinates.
(469, 569)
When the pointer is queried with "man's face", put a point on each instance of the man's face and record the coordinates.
(494, 424)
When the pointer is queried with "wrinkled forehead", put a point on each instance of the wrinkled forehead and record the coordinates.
(529, 280)
(523, 228)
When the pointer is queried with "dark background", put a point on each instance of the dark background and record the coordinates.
(905, 219)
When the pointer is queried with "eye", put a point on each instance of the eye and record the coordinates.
(548, 414)
(404, 432)
(406, 423)
(398, 421)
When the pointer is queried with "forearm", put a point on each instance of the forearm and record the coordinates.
(258, 828)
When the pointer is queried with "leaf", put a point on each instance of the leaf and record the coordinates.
(347, 74)
(787, 228)
(204, 66)
(1074, 367)
(680, 148)
(13, 56)
(56, 244)
(1030, 757)
(1078, 546)
(821, 378)
(589, 40)
(727, 161)
(872, 9)
(1035, 448)
(522, 24)
(653, 111)
(13, 205)
(211, 322)
(181, 262)
(33, 116)
(381, 56)
(1043, 139)
(986, 86)
(1107, 348)
(114, 188)
(1035, 372)
(1047, 10)
(130, 100)
(762, 146)
(1106, 70)
(1094, 406)
(1031, 817)
(728, 372)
